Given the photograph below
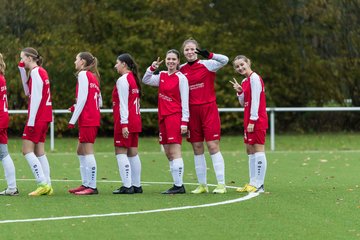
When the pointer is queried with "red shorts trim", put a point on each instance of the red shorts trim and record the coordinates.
(131, 141)
(39, 133)
(170, 129)
(3, 136)
(256, 137)
(204, 123)
(87, 134)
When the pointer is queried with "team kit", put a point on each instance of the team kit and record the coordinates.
(186, 106)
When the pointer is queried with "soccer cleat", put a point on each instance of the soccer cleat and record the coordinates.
(201, 189)
(8, 192)
(78, 189)
(87, 191)
(260, 189)
(175, 190)
(252, 189)
(124, 190)
(51, 191)
(220, 188)
(42, 189)
(243, 189)
(138, 189)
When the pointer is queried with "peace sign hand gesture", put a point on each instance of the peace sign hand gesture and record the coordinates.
(236, 86)
(156, 63)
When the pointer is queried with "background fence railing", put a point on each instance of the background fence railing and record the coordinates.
(272, 112)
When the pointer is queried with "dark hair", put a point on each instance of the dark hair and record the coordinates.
(91, 63)
(2, 65)
(189, 40)
(132, 66)
(31, 52)
(176, 52)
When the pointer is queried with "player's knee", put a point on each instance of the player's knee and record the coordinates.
(3, 151)
(213, 147)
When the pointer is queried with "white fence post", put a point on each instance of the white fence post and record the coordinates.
(52, 130)
(272, 129)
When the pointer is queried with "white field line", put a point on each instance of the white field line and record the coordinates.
(247, 197)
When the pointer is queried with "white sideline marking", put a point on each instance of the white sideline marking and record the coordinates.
(247, 197)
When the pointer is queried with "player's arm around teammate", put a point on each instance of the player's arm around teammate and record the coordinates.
(251, 95)
(37, 87)
(86, 112)
(127, 124)
(204, 121)
(173, 113)
(6, 160)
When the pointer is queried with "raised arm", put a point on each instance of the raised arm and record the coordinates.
(215, 62)
(24, 78)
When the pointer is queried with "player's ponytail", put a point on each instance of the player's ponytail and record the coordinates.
(132, 66)
(31, 52)
(91, 63)
(2, 65)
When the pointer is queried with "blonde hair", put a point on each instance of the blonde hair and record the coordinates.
(247, 60)
(2, 65)
(91, 63)
(189, 40)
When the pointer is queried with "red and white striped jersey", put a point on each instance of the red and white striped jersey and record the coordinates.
(40, 106)
(173, 96)
(4, 115)
(201, 76)
(88, 100)
(254, 101)
(126, 103)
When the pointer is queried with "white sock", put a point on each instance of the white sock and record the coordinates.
(9, 170)
(171, 165)
(135, 164)
(36, 168)
(124, 169)
(178, 171)
(46, 168)
(261, 164)
(91, 170)
(200, 168)
(84, 180)
(219, 167)
(252, 169)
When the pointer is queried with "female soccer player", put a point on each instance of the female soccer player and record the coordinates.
(87, 111)
(7, 162)
(251, 94)
(204, 120)
(127, 124)
(37, 88)
(173, 113)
